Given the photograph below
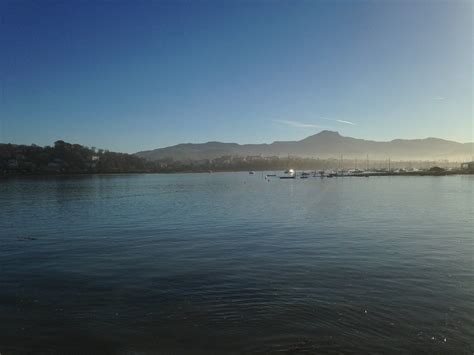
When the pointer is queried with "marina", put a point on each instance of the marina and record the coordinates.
(464, 169)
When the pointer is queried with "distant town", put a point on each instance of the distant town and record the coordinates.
(66, 158)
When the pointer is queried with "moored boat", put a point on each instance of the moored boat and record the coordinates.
(289, 174)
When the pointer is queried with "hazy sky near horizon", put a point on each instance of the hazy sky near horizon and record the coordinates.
(135, 75)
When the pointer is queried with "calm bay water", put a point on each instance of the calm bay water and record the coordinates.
(214, 263)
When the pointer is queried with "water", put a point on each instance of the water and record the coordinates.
(231, 263)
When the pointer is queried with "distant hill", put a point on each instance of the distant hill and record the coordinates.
(326, 144)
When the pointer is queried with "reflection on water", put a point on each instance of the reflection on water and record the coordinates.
(233, 263)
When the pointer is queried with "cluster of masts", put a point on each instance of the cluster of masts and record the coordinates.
(292, 174)
(378, 168)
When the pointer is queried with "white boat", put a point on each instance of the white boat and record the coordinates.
(289, 174)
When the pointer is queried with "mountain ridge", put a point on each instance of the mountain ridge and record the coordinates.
(324, 144)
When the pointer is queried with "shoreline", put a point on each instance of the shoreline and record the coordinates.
(369, 174)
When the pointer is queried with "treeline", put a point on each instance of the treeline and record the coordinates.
(66, 158)
(275, 163)
(245, 164)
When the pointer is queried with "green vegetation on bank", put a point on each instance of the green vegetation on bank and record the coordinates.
(65, 158)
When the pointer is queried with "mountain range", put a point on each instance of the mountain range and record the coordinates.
(323, 145)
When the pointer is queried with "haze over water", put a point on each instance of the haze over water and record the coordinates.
(233, 263)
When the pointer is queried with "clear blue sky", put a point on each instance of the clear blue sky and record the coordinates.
(134, 75)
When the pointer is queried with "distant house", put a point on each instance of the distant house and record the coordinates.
(468, 166)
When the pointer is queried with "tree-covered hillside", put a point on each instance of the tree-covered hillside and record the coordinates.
(66, 158)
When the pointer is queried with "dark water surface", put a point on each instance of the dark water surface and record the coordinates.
(230, 263)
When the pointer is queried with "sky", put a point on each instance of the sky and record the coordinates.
(137, 75)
